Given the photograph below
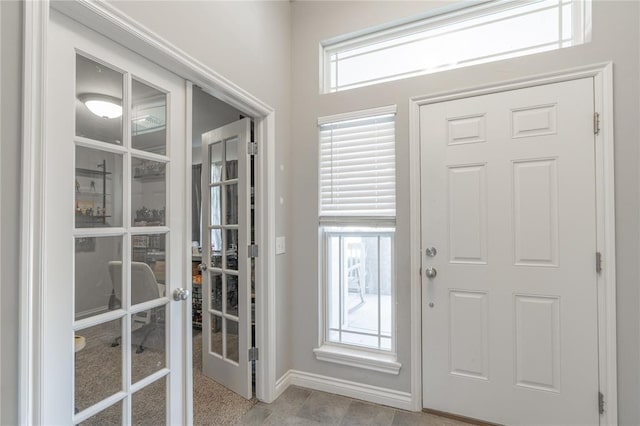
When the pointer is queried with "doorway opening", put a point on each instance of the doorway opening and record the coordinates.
(214, 335)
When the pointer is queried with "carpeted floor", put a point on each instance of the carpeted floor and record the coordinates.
(99, 375)
(213, 404)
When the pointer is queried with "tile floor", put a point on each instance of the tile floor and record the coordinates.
(299, 406)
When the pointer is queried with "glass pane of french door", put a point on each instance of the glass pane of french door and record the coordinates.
(121, 248)
(226, 284)
(223, 265)
(114, 235)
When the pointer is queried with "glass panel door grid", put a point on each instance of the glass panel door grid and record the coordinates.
(223, 265)
(120, 242)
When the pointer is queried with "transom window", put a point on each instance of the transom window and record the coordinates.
(487, 32)
(357, 224)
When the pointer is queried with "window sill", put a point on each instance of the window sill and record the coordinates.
(381, 363)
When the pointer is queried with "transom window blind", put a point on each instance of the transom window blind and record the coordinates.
(358, 168)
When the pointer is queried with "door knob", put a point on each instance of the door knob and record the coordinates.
(431, 272)
(202, 267)
(180, 294)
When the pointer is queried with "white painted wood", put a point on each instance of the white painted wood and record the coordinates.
(188, 343)
(605, 201)
(374, 394)
(602, 74)
(538, 281)
(220, 366)
(265, 272)
(36, 19)
(65, 37)
(358, 358)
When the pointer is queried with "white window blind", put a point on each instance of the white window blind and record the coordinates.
(358, 168)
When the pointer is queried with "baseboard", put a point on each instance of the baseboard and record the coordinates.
(375, 394)
(283, 383)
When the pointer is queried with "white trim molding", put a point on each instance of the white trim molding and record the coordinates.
(187, 259)
(359, 358)
(374, 394)
(602, 75)
(36, 19)
(354, 115)
(107, 20)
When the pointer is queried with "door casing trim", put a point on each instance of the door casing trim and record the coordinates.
(602, 75)
(107, 20)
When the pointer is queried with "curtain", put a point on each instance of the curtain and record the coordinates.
(196, 207)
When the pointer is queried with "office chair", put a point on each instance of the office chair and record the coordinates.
(144, 287)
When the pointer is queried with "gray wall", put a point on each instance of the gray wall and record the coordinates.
(615, 38)
(11, 51)
(208, 113)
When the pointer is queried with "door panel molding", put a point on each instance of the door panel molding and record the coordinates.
(602, 74)
(107, 20)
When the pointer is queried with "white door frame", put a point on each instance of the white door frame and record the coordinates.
(605, 226)
(110, 22)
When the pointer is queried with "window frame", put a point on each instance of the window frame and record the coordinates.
(371, 358)
(448, 15)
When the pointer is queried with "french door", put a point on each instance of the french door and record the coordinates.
(509, 241)
(226, 300)
(114, 235)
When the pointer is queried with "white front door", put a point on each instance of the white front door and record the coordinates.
(508, 203)
(226, 292)
(114, 245)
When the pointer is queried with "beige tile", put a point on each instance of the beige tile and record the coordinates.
(324, 408)
(406, 418)
(256, 416)
(362, 413)
(290, 401)
(281, 419)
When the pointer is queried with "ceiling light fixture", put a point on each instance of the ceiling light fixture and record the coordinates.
(102, 105)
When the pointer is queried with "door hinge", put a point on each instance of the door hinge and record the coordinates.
(253, 250)
(252, 148)
(254, 355)
(598, 262)
(596, 123)
(600, 403)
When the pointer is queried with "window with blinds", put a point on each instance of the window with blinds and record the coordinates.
(357, 194)
(357, 167)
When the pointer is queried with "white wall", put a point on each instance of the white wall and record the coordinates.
(249, 43)
(615, 38)
(10, 37)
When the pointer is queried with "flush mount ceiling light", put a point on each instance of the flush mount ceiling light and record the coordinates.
(102, 105)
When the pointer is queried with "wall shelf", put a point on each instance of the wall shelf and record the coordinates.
(91, 198)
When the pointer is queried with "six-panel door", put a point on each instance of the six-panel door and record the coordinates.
(508, 200)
